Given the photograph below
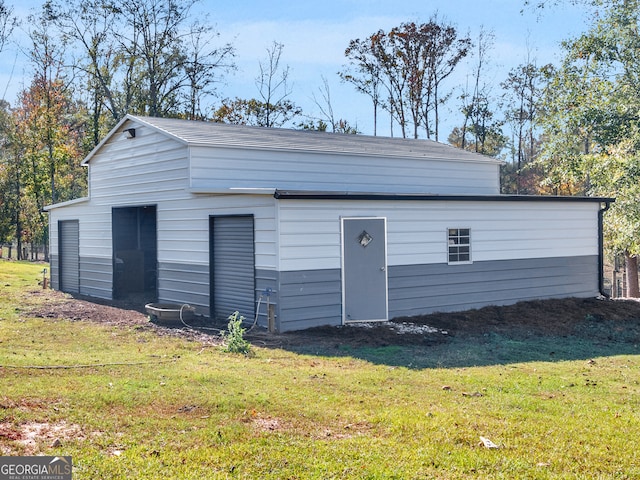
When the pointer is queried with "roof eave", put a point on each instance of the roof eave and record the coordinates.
(65, 204)
(320, 151)
(97, 148)
(118, 129)
(318, 195)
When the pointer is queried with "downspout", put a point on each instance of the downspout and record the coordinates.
(607, 205)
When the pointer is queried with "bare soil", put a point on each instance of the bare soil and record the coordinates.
(604, 319)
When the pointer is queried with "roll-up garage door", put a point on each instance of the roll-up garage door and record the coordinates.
(232, 266)
(69, 252)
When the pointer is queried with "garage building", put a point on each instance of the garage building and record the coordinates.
(306, 228)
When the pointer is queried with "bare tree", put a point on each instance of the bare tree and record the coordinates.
(273, 87)
(153, 38)
(7, 23)
(326, 109)
(474, 101)
(202, 66)
(443, 55)
(143, 57)
(410, 62)
(88, 26)
(364, 73)
(522, 93)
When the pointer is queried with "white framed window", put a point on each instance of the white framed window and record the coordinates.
(458, 245)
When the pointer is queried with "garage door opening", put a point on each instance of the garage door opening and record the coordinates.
(135, 253)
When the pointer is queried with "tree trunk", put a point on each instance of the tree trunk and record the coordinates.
(632, 275)
(375, 118)
(18, 237)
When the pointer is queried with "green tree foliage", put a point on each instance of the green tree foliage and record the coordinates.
(10, 177)
(485, 139)
(255, 112)
(341, 126)
(94, 61)
(523, 90)
(44, 135)
(593, 119)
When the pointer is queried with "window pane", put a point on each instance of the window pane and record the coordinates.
(459, 245)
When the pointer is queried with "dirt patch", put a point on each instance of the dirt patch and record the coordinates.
(555, 317)
(267, 424)
(32, 438)
(614, 319)
(541, 317)
(60, 305)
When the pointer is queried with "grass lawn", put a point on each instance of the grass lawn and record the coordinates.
(138, 405)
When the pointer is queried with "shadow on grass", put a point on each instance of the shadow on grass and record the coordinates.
(591, 338)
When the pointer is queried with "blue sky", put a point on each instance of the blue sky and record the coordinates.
(315, 34)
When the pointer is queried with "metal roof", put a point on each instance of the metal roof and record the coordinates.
(198, 133)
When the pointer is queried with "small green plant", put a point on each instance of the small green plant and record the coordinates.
(234, 336)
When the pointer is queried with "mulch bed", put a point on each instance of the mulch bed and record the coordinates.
(555, 317)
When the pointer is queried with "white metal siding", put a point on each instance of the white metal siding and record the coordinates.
(131, 171)
(152, 169)
(309, 234)
(222, 168)
(183, 227)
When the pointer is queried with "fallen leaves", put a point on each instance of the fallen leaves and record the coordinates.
(486, 443)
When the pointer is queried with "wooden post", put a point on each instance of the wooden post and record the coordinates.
(272, 318)
(633, 289)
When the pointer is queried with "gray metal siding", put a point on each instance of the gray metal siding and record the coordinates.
(184, 283)
(96, 277)
(419, 289)
(309, 299)
(233, 266)
(313, 298)
(267, 287)
(69, 256)
(188, 283)
(55, 271)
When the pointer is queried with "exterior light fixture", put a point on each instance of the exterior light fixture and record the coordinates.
(129, 132)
